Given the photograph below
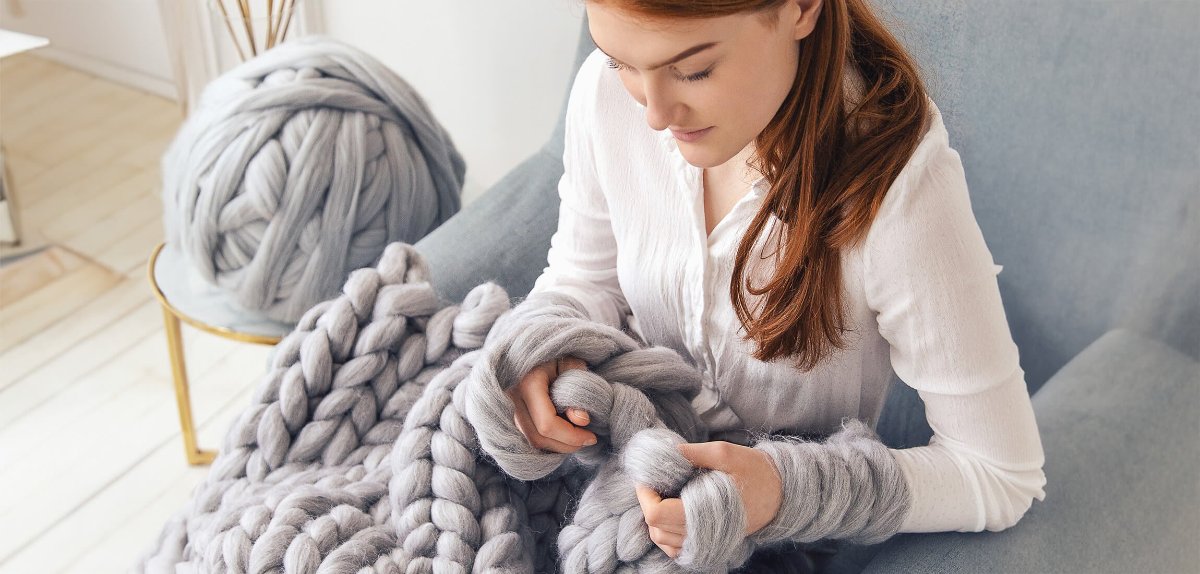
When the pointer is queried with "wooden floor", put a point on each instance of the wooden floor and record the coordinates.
(91, 459)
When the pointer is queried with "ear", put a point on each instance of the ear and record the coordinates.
(806, 14)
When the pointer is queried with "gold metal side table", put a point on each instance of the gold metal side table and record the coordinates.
(207, 311)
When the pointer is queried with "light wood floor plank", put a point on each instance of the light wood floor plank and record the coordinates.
(30, 436)
(90, 210)
(130, 500)
(122, 127)
(35, 113)
(118, 549)
(25, 275)
(137, 420)
(22, 168)
(61, 187)
(139, 144)
(58, 299)
(22, 397)
(107, 315)
(52, 139)
(130, 253)
(83, 104)
(104, 233)
(18, 69)
(47, 89)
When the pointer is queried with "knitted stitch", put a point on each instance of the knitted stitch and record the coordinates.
(381, 440)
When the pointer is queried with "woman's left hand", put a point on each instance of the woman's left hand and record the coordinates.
(752, 471)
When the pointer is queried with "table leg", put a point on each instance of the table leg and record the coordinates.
(195, 456)
(10, 226)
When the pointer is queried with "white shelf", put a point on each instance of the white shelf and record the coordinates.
(16, 42)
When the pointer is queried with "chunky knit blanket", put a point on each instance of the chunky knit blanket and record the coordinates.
(381, 440)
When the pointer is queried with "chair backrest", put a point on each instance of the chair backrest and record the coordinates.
(1079, 128)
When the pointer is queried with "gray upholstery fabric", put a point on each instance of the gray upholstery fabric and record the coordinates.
(1119, 428)
(515, 219)
(1079, 132)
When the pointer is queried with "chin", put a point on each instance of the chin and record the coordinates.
(698, 156)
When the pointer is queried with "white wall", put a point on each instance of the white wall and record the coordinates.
(494, 73)
(118, 39)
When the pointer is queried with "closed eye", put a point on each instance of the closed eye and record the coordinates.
(690, 78)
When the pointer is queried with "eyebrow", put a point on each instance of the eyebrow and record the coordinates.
(680, 56)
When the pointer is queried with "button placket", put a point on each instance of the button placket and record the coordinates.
(700, 270)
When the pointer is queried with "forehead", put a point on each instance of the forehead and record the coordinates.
(638, 39)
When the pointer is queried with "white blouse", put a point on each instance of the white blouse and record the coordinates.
(921, 297)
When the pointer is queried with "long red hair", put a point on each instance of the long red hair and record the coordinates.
(828, 167)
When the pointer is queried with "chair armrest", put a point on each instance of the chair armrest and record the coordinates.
(1119, 424)
(497, 236)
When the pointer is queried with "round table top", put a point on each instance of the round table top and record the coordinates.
(205, 306)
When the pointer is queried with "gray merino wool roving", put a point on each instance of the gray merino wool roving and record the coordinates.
(300, 165)
(382, 440)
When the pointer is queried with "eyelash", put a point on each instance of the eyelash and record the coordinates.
(692, 78)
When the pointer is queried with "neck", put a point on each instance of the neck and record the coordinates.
(738, 167)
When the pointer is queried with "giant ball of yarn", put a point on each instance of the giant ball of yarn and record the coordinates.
(299, 166)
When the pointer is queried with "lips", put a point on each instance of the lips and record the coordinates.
(690, 136)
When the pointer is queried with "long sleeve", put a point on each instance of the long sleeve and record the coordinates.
(582, 261)
(932, 282)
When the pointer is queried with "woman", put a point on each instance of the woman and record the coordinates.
(764, 186)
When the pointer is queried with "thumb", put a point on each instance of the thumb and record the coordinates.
(701, 454)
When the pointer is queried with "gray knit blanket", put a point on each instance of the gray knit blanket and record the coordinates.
(381, 440)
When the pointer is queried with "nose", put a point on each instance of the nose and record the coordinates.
(662, 106)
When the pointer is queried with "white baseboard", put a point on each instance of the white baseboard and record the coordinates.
(164, 87)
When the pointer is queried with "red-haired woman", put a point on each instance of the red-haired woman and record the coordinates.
(765, 186)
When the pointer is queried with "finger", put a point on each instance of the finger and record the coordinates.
(713, 455)
(666, 537)
(527, 428)
(680, 530)
(579, 417)
(670, 515)
(567, 363)
(647, 495)
(662, 513)
(545, 417)
(671, 551)
(648, 500)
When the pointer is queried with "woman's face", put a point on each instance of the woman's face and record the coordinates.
(726, 75)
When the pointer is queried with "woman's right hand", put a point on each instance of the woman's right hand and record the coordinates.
(536, 416)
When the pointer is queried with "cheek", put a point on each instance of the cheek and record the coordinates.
(634, 88)
(756, 97)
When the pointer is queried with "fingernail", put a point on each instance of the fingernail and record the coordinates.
(590, 441)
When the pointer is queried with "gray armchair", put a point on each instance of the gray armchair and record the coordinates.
(1079, 130)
